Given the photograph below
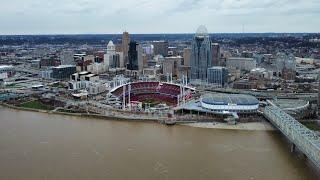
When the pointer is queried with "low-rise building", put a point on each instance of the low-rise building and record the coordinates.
(87, 81)
(63, 71)
(6, 71)
(92, 88)
(260, 74)
(244, 64)
(97, 68)
(36, 64)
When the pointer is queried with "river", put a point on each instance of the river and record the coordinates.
(40, 146)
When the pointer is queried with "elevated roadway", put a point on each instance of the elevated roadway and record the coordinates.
(306, 140)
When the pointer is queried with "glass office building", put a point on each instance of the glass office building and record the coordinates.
(133, 56)
(218, 76)
(201, 56)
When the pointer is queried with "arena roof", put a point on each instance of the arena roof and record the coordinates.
(5, 67)
(290, 104)
(229, 99)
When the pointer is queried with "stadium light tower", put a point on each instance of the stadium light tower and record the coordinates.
(129, 96)
(186, 80)
(124, 98)
(183, 89)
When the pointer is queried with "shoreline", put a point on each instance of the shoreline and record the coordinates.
(250, 126)
(98, 116)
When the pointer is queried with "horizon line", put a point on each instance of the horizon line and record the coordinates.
(57, 34)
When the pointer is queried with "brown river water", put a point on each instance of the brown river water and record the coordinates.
(39, 146)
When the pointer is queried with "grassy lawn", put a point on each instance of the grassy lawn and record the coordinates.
(58, 85)
(13, 86)
(312, 126)
(36, 105)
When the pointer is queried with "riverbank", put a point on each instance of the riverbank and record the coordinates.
(250, 126)
(98, 116)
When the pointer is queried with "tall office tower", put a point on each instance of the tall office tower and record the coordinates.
(111, 52)
(145, 60)
(185, 69)
(140, 58)
(125, 46)
(172, 65)
(186, 56)
(111, 48)
(160, 48)
(201, 55)
(135, 59)
(218, 76)
(216, 55)
(113, 59)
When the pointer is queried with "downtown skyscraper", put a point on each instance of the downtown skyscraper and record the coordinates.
(201, 56)
(125, 46)
(135, 59)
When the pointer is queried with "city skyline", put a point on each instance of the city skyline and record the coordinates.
(160, 89)
(147, 17)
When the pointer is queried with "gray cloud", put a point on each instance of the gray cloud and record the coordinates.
(157, 16)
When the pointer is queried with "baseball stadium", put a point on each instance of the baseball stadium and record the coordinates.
(153, 92)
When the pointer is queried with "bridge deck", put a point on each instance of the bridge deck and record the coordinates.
(305, 140)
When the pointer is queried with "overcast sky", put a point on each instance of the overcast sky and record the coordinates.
(157, 16)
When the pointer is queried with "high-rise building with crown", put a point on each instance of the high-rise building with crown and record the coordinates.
(201, 55)
(113, 59)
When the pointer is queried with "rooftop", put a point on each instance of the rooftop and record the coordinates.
(64, 66)
(229, 99)
(240, 58)
(83, 72)
(5, 66)
(202, 31)
(217, 67)
(288, 104)
(91, 75)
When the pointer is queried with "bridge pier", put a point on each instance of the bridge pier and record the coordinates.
(293, 147)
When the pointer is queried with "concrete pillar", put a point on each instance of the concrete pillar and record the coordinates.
(293, 147)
